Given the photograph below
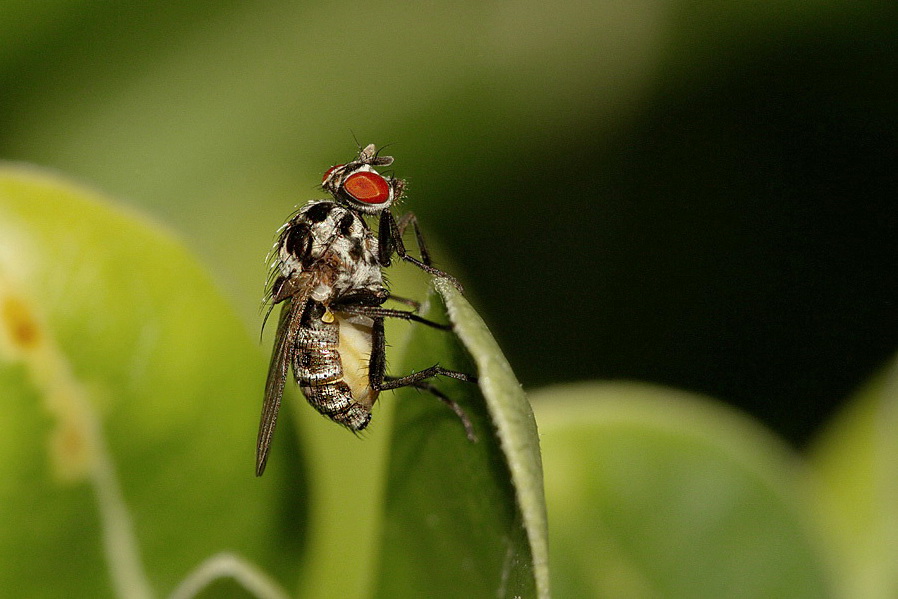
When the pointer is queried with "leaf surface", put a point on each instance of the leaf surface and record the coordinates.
(130, 401)
(463, 519)
(654, 492)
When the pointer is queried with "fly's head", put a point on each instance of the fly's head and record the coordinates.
(359, 187)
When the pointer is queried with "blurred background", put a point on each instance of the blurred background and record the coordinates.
(690, 193)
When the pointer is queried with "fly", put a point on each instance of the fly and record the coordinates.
(327, 273)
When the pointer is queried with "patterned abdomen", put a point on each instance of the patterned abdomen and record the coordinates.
(319, 371)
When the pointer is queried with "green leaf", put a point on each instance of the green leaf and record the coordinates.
(659, 493)
(856, 461)
(130, 401)
(463, 519)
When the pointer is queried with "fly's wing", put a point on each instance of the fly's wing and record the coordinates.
(291, 314)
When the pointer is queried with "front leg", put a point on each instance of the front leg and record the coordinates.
(404, 221)
(389, 238)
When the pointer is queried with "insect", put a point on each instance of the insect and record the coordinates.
(327, 272)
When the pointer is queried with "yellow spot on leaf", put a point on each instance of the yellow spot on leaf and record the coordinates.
(71, 445)
(19, 323)
(70, 452)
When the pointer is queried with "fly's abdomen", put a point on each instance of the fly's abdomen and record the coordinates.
(319, 372)
(318, 359)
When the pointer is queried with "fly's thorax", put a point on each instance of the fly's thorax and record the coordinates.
(335, 243)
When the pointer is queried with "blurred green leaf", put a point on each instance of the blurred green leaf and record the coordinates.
(856, 460)
(463, 519)
(660, 493)
(130, 400)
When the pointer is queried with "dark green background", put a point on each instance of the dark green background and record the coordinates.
(696, 194)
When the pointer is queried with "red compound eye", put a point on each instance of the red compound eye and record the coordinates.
(367, 187)
(330, 171)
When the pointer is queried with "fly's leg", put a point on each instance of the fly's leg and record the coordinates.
(404, 221)
(380, 382)
(430, 388)
(389, 238)
(378, 312)
(414, 305)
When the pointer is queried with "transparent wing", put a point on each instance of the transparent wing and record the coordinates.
(289, 322)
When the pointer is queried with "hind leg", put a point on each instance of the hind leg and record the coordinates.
(381, 382)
